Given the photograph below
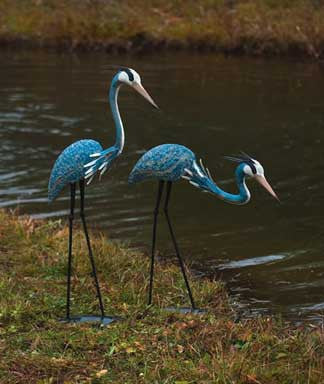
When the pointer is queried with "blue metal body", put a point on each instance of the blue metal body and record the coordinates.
(69, 166)
(77, 162)
(171, 162)
(165, 162)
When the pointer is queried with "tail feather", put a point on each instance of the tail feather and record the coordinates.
(100, 164)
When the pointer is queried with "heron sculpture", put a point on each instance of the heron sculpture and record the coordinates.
(171, 162)
(78, 163)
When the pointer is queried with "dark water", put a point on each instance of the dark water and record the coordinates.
(271, 254)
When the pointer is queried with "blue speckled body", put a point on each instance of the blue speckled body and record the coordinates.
(165, 162)
(69, 166)
(171, 162)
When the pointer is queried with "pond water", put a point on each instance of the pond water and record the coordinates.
(270, 254)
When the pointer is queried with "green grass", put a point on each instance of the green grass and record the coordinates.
(150, 345)
(255, 27)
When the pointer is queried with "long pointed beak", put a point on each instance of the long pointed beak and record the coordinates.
(142, 91)
(263, 181)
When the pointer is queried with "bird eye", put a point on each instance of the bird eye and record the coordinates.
(130, 74)
(254, 171)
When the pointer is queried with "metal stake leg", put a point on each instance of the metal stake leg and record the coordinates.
(156, 212)
(169, 185)
(71, 217)
(94, 273)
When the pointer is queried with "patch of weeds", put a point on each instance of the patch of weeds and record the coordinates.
(150, 345)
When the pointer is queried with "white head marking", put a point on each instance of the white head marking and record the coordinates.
(129, 76)
(258, 168)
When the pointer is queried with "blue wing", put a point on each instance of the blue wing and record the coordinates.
(69, 166)
(165, 162)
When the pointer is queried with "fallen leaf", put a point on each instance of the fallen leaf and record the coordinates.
(130, 350)
(139, 346)
(180, 348)
(101, 373)
(181, 325)
(252, 379)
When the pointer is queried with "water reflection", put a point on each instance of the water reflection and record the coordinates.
(272, 109)
(251, 262)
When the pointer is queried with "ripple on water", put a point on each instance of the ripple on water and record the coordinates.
(252, 261)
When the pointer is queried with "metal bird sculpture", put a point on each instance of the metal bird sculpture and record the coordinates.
(171, 162)
(80, 162)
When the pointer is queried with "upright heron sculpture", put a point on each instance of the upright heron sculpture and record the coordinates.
(80, 162)
(171, 162)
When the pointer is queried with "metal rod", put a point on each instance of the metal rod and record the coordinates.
(71, 217)
(156, 212)
(94, 272)
(167, 199)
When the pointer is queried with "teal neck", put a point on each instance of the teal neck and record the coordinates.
(241, 198)
(113, 94)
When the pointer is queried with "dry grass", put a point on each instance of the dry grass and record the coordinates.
(150, 345)
(256, 27)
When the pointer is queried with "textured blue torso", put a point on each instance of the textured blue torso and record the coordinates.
(69, 166)
(165, 162)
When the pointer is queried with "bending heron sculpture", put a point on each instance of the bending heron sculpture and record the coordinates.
(80, 162)
(168, 163)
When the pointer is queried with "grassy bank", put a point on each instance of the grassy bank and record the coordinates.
(149, 346)
(256, 27)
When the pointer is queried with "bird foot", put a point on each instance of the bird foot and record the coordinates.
(92, 319)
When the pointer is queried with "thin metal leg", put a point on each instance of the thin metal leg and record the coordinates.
(71, 217)
(156, 212)
(94, 272)
(169, 185)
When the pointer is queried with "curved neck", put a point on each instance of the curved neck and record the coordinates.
(243, 196)
(113, 94)
(204, 181)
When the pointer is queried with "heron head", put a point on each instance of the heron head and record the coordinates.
(131, 78)
(252, 168)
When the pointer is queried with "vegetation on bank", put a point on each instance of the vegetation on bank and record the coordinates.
(150, 345)
(239, 26)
